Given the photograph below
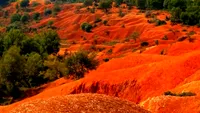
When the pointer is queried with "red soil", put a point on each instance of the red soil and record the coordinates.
(141, 77)
(80, 103)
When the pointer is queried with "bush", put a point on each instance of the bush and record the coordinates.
(121, 14)
(105, 4)
(25, 17)
(105, 22)
(169, 93)
(15, 17)
(165, 37)
(156, 42)
(118, 2)
(155, 4)
(36, 16)
(56, 68)
(50, 23)
(86, 27)
(49, 41)
(160, 22)
(47, 12)
(80, 63)
(24, 3)
(87, 3)
(92, 10)
(144, 43)
(141, 4)
(56, 8)
(34, 4)
(148, 14)
(175, 14)
(106, 59)
(97, 20)
(110, 51)
(135, 35)
(22, 62)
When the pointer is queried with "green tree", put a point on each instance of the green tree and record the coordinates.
(13, 37)
(141, 4)
(87, 3)
(56, 68)
(175, 14)
(12, 65)
(30, 45)
(2, 44)
(118, 2)
(49, 41)
(32, 69)
(80, 63)
(182, 4)
(155, 4)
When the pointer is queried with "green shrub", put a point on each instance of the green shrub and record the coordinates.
(47, 12)
(56, 8)
(105, 4)
(169, 93)
(147, 14)
(49, 41)
(56, 68)
(50, 23)
(36, 16)
(160, 22)
(165, 37)
(135, 35)
(110, 51)
(141, 4)
(144, 43)
(175, 15)
(97, 20)
(156, 42)
(24, 18)
(105, 22)
(121, 14)
(86, 27)
(106, 59)
(92, 10)
(154, 4)
(24, 3)
(80, 63)
(87, 3)
(15, 17)
(34, 4)
(118, 2)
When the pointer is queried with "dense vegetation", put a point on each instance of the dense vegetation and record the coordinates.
(29, 61)
(185, 11)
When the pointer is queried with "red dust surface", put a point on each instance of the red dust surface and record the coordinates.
(135, 73)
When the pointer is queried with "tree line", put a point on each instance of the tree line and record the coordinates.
(29, 61)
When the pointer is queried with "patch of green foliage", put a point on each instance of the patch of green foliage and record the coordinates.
(183, 94)
(80, 63)
(86, 27)
(27, 62)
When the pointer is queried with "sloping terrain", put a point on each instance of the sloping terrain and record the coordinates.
(135, 73)
(80, 103)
